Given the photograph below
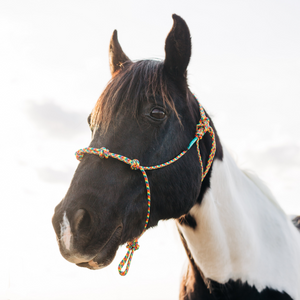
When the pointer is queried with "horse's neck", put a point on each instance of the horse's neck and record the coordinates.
(242, 235)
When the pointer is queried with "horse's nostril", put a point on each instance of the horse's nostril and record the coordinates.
(82, 220)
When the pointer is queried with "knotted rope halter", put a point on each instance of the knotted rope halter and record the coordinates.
(202, 127)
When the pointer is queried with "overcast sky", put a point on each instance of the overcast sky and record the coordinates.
(245, 70)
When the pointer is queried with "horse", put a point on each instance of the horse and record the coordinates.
(239, 242)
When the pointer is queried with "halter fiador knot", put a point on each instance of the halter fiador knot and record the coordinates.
(202, 127)
(133, 246)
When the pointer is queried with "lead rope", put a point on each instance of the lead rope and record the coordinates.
(202, 127)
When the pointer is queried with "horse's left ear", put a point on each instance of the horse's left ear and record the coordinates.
(116, 55)
(178, 49)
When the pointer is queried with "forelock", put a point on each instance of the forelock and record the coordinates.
(134, 83)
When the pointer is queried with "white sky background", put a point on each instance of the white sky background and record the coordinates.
(245, 69)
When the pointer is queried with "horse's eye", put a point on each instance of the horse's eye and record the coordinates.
(157, 113)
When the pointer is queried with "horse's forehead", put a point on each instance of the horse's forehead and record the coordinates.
(130, 89)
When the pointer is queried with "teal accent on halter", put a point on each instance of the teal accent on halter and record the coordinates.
(192, 143)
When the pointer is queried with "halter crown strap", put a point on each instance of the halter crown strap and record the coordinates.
(202, 127)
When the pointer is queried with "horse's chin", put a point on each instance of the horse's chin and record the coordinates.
(97, 262)
(101, 259)
(106, 254)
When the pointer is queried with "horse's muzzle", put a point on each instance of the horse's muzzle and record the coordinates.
(77, 243)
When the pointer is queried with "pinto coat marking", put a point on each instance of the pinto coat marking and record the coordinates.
(242, 235)
(240, 244)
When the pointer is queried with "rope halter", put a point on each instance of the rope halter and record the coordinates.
(202, 127)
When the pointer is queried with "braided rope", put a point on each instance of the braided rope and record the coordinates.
(202, 127)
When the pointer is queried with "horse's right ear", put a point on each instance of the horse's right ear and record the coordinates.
(116, 55)
(178, 49)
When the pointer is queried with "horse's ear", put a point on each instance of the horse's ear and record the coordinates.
(116, 55)
(178, 48)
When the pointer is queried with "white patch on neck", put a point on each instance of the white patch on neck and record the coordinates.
(65, 232)
(241, 234)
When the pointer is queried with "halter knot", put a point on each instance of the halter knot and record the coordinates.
(103, 152)
(79, 154)
(135, 164)
(202, 127)
(133, 246)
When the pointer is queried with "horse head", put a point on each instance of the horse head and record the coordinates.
(146, 112)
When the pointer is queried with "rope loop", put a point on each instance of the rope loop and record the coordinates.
(135, 164)
(103, 152)
(131, 246)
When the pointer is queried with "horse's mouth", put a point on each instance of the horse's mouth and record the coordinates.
(106, 254)
(92, 265)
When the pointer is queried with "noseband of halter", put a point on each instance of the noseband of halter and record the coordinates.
(202, 127)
